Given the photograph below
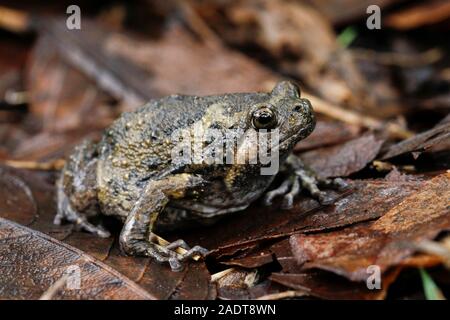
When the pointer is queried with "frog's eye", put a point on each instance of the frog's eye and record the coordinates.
(264, 118)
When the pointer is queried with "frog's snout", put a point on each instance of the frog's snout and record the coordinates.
(303, 106)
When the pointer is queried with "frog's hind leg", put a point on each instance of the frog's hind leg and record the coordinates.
(136, 237)
(76, 193)
(67, 213)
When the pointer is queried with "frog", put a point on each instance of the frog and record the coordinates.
(131, 173)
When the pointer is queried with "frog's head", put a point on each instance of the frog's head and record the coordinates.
(286, 112)
(255, 124)
(273, 122)
(284, 118)
(281, 117)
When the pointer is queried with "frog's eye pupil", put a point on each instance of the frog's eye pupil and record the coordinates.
(264, 118)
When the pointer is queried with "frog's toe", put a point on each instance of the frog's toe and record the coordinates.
(79, 220)
(190, 252)
(311, 183)
(180, 243)
(97, 230)
(81, 223)
(194, 251)
(163, 256)
(288, 200)
(175, 260)
(159, 253)
(281, 190)
(289, 189)
(336, 183)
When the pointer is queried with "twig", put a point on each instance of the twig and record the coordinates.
(162, 242)
(216, 276)
(51, 292)
(57, 164)
(399, 59)
(17, 97)
(198, 24)
(283, 295)
(14, 20)
(436, 248)
(352, 117)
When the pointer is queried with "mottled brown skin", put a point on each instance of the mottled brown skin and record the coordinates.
(130, 173)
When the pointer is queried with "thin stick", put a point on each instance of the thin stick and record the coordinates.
(51, 292)
(283, 295)
(399, 59)
(14, 20)
(163, 242)
(57, 164)
(352, 117)
(221, 274)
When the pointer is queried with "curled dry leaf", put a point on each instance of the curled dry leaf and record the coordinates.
(385, 242)
(328, 286)
(327, 133)
(156, 279)
(32, 262)
(236, 284)
(240, 284)
(16, 199)
(345, 159)
(247, 230)
(251, 260)
(180, 52)
(432, 138)
(61, 97)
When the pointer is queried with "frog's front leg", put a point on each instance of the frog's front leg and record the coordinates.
(300, 176)
(136, 235)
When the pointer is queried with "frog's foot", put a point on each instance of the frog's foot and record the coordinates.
(165, 254)
(303, 178)
(190, 252)
(67, 213)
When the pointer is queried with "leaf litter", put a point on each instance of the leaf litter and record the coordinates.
(389, 219)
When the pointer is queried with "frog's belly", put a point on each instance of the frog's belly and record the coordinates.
(180, 219)
(204, 210)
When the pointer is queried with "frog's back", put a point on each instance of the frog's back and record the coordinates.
(137, 146)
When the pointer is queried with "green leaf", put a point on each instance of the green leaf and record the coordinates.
(432, 292)
(347, 36)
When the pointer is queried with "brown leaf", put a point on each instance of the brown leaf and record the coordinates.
(50, 145)
(133, 70)
(345, 159)
(343, 11)
(385, 242)
(179, 63)
(62, 98)
(16, 199)
(440, 134)
(85, 51)
(245, 230)
(236, 284)
(419, 15)
(251, 261)
(328, 133)
(158, 280)
(328, 286)
(32, 262)
(298, 39)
